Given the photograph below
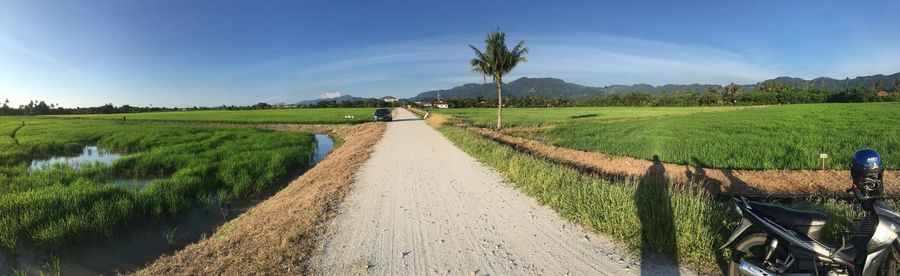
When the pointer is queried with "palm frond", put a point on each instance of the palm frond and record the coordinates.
(497, 59)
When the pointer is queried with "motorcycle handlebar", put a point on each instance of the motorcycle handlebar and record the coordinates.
(859, 195)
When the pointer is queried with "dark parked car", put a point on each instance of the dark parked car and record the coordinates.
(383, 114)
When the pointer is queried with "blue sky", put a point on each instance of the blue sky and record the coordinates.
(207, 53)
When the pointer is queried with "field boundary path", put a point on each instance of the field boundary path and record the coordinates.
(767, 183)
(420, 205)
(16, 131)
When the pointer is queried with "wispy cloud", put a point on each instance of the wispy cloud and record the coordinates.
(442, 62)
(12, 44)
(605, 59)
(877, 58)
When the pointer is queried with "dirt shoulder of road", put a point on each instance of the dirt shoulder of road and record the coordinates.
(773, 183)
(279, 235)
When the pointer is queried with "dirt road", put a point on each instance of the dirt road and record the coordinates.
(422, 206)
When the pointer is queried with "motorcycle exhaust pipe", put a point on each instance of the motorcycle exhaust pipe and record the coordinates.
(747, 268)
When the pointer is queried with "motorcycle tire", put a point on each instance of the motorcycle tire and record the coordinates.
(890, 267)
(750, 244)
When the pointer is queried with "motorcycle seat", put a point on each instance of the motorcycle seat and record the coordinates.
(807, 222)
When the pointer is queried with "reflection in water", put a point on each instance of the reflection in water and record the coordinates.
(89, 155)
(145, 241)
(324, 145)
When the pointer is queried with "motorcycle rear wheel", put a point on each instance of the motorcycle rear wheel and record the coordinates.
(752, 248)
(890, 267)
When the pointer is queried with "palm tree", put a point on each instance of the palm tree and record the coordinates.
(497, 60)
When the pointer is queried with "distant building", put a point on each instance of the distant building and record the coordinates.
(426, 104)
(390, 99)
(883, 93)
(440, 104)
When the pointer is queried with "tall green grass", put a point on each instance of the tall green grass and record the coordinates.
(776, 137)
(649, 216)
(268, 116)
(514, 117)
(753, 138)
(60, 205)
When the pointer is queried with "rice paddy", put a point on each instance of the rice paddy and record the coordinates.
(758, 138)
(63, 203)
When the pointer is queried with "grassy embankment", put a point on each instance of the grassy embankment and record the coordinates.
(268, 116)
(773, 137)
(191, 166)
(648, 215)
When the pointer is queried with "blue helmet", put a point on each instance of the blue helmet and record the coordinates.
(866, 164)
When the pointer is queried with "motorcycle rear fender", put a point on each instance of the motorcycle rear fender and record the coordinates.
(745, 223)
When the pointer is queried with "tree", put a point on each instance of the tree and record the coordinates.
(496, 61)
(732, 88)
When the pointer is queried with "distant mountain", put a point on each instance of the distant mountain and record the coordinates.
(517, 88)
(879, 81)
(552, 87)
(338, 99)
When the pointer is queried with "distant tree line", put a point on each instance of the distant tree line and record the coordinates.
(733, 96)
(765, 94)
(42, 108)
(526, 101)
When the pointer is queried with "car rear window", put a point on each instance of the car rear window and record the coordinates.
(382, 111)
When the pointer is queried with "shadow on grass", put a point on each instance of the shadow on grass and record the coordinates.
(736, 185)
(657, 219)
(584, 116)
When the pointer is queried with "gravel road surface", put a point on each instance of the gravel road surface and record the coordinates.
(422, 206)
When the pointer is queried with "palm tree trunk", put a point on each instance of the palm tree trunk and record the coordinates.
(499, 102)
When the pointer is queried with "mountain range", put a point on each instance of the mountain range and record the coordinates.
(559, 88)
(338, 99)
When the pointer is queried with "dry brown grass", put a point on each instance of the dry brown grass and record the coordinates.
(278, 235)
(317, 129)
(436, 120)
(789, 183)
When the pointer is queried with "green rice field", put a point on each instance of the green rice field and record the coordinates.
(266, 116)
(182, 167)
(755, 138)
(532, 117)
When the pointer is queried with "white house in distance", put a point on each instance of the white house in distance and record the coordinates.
(440, 104)
(390, 99)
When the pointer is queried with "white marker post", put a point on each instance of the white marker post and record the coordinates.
(823, 156)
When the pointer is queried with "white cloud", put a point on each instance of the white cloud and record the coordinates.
(330, 95)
